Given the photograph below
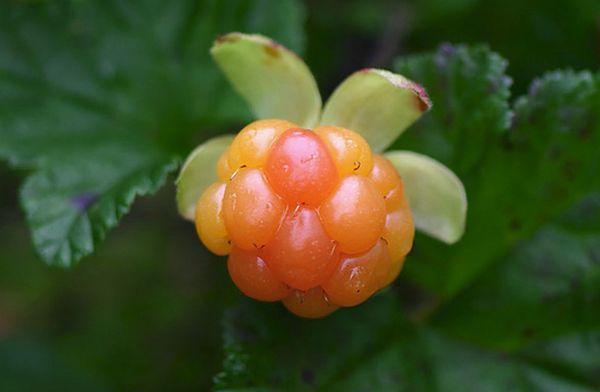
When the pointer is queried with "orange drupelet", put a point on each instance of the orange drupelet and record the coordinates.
(399, 232)
(350, 151)
(359, 276)
(313, 219)
(224, 171)
(251, 210)
(388, 182)
(209, 220)
(300, 168)
(312, 303)
(253, 277)
(301, 254)
(251, 146)
(354, 214)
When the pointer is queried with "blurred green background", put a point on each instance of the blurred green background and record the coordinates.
(146, 311)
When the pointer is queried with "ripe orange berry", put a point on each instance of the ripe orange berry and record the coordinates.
(300, 169)
(357, 277)
(253, 277)
(309, 304)
(301, 254)
(210, 225)
(350, 151)
(251, 210)
(354, 214)
(313, 219)
(251, 146)
(399, 233)
(388, 182)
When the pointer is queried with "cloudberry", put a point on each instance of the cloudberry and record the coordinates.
(311, 218)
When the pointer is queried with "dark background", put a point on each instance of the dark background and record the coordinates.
(144, 312)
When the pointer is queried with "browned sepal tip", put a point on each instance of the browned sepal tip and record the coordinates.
(273, 49)
(422, 99)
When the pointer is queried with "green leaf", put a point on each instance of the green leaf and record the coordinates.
(198, 172)
(377, 104)
(470, 90)
(274, 81)
(99, 99)
(549, 286)
(516, 180)
(71, 205)
(512, 306)
(436, 196)
(369, 348)
(260, 350)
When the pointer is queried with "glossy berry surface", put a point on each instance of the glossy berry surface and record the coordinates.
(301, 253)
(354, 214)
(209, 220)
(358, 276)
(311, 218)
(253, 277)
(312, 303)
(350, 151)
(300, 168)
(251, 210)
